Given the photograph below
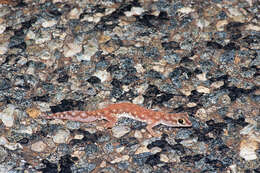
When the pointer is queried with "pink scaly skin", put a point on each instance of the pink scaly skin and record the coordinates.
(114, 111)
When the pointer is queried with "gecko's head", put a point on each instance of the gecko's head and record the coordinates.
(176, 120)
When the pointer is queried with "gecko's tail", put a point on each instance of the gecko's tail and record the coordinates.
(80, 116)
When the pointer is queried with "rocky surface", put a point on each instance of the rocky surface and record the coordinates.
(200, 57)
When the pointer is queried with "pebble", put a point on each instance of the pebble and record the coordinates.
(119, 131)
(75, 13)
(71, 49)
(2, 28)
(120, 159)
(49, 23)
(39, 146)
(164, 158)
(102, 75)
(186, 10)
(3, 48)
(3, 154)
(142, 149)
(61, 136)
(202, 89)
(248, 149)
(138, 100)
(138, 134)
(7, 115)
(135, 11)
(89, 50)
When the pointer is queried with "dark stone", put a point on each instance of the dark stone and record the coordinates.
(153, 160)
(232, 25)
(214, 45)
(5, 84)
(49, 168)
(113, 68)
(192, 159)
(23, 141)
(140, 159)
(44, 98)
(123, 165)
(235, 35)
(231, 46)
(154, 74)
(171, 45)
(116, 92)
(116, 83)
(215, 163)
(158, 143)
(63, 149)
(128, 79)
(195, 96)
(197, 71)
(178, 147)
(67, 105)
(65, 164)
(151, 91)
(128, 141)
(28, 24)
(251, 39)
(63, 77)
(227, 57)
(180, 73)
(91, 149)
(94, 80)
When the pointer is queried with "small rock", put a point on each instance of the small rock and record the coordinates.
(119, 131)
(89, 50)
(253, 27)
(138, 134)
(3, 154)
(74, 13)
(135, 11)
(221, 25)
(61, 136)
(142, 149)
(120, 159)
(164, 158)
(103, 75)
(248, 149)
(2, 28)
(3, 48)
(138, 100)
(186, 10)
(72, 49)
(7, 116)
(225, 99)
(49, 23)
(202, 77)
(217, 84)
(38, 146)
(202, 89)
(33, 112)
(201, 113)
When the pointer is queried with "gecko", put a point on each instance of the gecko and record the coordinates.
(113, 112)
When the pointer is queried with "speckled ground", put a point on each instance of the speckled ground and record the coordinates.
(200, 57)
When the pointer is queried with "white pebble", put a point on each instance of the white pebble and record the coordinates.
(7, 116)
(120, 131)
(38, 146)
(61, 136)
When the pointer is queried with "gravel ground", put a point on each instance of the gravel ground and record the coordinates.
(200, 57)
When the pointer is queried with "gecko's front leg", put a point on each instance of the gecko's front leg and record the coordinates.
(149, 128)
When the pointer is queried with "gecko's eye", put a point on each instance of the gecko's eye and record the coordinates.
(181, 121)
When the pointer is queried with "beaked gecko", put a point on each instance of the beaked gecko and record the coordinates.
(113, 112)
